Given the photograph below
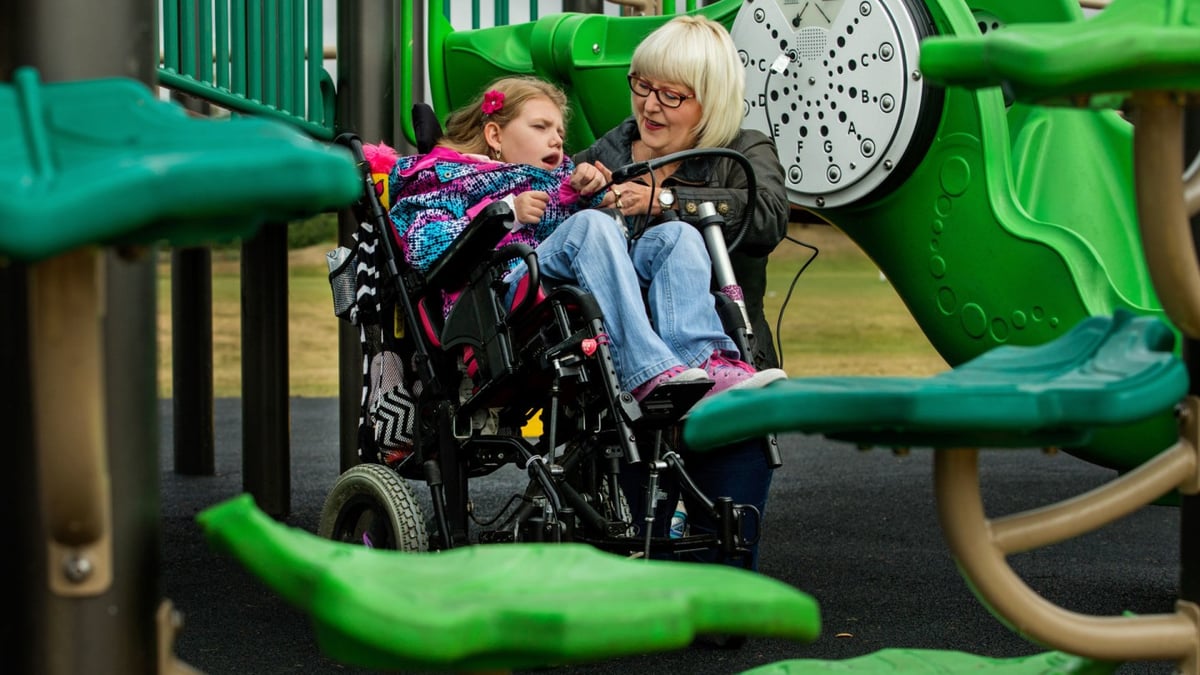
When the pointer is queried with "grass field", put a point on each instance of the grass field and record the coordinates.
(841, 318)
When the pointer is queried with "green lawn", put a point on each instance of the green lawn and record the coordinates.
(841, 319)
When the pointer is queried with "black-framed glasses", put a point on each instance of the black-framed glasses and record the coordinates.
(668, 97)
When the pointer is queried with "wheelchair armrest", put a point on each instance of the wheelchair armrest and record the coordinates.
(472, 247)
(533, 276)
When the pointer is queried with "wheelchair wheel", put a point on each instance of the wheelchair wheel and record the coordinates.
(371, 505)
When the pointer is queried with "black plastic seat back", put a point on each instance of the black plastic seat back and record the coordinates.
(426, 128)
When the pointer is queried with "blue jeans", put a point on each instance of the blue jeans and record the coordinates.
(669, 261)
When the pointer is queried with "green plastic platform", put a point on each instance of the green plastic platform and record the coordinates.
(932, 662)
(1104, 372)
(500, 606)
(1133, 45)
(105, 161)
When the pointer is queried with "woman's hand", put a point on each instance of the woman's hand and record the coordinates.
(634, 198)
(587, 179)
(529, 207)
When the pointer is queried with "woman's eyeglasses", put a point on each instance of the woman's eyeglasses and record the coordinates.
(668, 97)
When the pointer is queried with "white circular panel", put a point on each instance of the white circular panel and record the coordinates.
(836, 84)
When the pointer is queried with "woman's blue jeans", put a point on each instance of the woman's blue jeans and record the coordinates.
(669, 262)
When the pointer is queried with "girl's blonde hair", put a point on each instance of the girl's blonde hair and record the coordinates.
(464, 128)
(697, 52)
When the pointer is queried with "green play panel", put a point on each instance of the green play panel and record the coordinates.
(500, 606)
(1106, 371)
(106, 161)
(934, 662)
(1133, 45)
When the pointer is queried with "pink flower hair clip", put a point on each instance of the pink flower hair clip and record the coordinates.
(493, 101)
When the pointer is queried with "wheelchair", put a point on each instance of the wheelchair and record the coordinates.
(450, 397)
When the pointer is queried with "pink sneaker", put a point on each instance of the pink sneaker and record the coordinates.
(729, 373)
(672, 374)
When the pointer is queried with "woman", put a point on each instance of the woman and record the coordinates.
(688, 89)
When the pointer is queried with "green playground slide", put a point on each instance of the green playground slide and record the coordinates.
(1015, 223)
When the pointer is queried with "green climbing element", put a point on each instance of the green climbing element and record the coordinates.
(933, 662)
(500, 607)
(987, 241)
(1104, 372)
(1018, 222)
(105, 161)
(1133, 45)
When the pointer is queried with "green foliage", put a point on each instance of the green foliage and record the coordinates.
(319, 229)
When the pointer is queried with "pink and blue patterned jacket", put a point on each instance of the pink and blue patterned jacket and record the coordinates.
(434, 196)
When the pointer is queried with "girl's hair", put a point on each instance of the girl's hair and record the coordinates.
(464, 128)
(697, 52)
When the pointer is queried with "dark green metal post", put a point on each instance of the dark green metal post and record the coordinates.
(112, 631)
(191, 295)
(1189, 517)
(366, 98)
(266, 433)
(192, 361)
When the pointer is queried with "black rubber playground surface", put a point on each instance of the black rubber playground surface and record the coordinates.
(855, 529)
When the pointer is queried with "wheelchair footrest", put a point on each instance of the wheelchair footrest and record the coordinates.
(937, 662)
(671, 401)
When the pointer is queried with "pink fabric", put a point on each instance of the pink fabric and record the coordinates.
(441, 154)
(381, 157)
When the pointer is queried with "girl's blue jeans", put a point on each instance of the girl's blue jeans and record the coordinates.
(653, 291)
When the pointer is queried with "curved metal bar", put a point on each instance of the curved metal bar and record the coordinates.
(968, 533)
(1094, 509)
(1162, 216)
(1191, 187)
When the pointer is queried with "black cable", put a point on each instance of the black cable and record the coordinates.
(499, 514)
(787, 298)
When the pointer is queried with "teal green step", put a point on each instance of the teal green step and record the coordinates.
(500, 606)
(1105, 372)
(1133, 45)
(107, 162)
(933, 662)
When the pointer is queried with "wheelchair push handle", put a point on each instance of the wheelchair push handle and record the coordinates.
(711, 226)
(636, 169)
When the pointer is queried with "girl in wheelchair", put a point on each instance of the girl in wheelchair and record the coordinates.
(611, 378)
(508, 145)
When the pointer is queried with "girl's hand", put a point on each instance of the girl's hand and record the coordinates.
(587, 179)
(529, 207)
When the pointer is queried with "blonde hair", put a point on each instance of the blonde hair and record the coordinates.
(698, 52)
(464, 127)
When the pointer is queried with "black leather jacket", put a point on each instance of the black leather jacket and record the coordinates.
(720, 180)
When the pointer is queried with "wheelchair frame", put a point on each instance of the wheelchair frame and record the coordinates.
(546, 353)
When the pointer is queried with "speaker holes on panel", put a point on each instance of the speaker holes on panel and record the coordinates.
(846, 79)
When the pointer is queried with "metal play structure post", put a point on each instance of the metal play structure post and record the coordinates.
(95, 170)
(108, 631)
